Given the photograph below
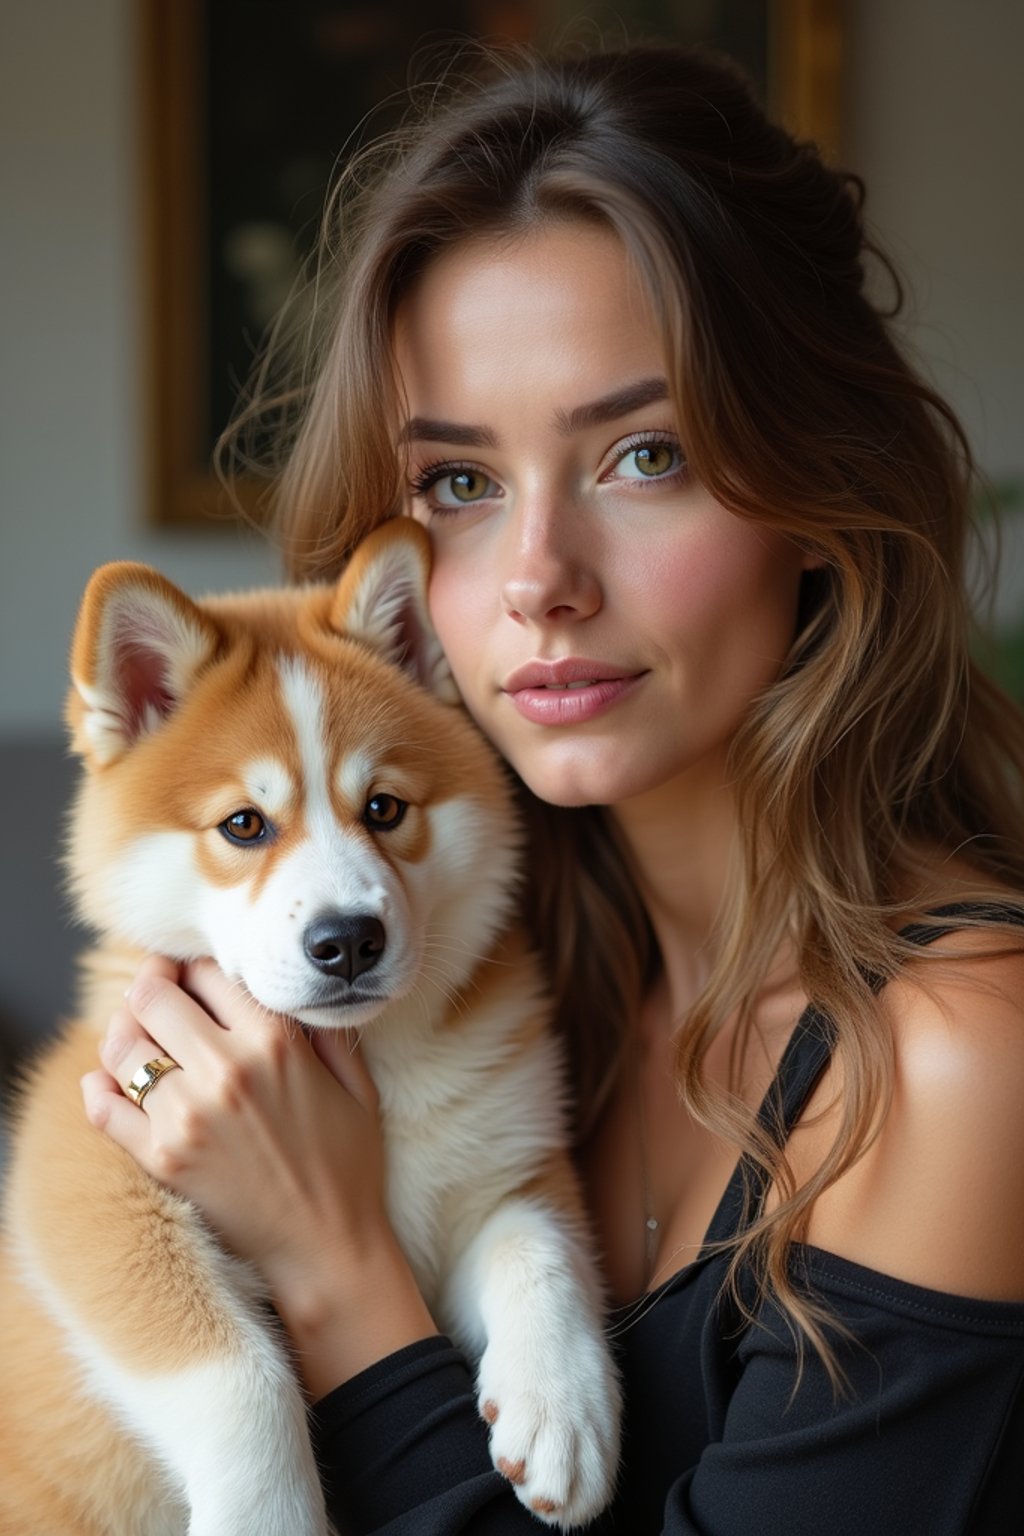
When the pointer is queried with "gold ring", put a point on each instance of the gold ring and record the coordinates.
(143, 1080)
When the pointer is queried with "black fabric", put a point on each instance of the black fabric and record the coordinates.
(721, 1439)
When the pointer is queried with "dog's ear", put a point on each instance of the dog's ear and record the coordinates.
(381, 600)
(138, 645)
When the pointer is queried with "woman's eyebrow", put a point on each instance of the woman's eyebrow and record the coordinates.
(595, 414)
(631, 398)
(425, 429)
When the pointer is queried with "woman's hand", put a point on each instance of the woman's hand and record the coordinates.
(276, 1138)
(254, 1128)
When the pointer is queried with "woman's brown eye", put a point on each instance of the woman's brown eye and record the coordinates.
(244, 827)
(468, 485)
(654, 459)
(384, 812)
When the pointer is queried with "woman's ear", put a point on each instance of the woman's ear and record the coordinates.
(381, 600)
(813, 559)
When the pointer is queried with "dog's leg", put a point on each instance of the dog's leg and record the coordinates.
(524, 1293)
(226, 1423)
(233, 1432)
(170, 1332)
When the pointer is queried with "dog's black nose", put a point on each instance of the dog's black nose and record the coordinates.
(341, 945)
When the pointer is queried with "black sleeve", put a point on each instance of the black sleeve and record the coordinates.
(403, 1450)
(927, 1439)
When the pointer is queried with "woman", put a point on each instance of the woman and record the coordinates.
(699, 547)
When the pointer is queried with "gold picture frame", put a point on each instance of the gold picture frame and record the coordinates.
(803, 57)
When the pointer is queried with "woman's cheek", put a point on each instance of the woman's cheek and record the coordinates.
(452, 612)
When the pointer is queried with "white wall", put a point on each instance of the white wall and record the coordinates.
(71, 376)
(934, 120)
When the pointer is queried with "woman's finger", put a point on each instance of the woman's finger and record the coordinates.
(125, 1046)
(108, 1110)
(159, 966)
(226, 999)
(339, 1051)
(133, 1060)
(175, 1021)
(99, 1089)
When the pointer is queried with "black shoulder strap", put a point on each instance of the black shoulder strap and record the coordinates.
(987, 911)
(811, 1044)
(807, 1054)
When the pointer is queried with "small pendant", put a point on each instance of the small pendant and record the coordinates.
(652, 1224)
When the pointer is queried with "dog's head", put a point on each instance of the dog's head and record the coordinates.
(280, 780)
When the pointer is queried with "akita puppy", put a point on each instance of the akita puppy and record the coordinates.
(283, 781)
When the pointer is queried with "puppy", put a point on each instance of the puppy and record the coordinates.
(283, 781)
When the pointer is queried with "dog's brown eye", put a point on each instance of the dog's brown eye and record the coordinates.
(244, 827)
(383, 812)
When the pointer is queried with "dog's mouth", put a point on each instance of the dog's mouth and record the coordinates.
(325, 1001)
(340, 998)
(350, 999)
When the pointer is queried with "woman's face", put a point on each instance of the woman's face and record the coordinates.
(607, 621)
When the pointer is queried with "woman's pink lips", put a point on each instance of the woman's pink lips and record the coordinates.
(571, 706)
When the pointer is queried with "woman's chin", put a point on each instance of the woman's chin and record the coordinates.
(575, 785)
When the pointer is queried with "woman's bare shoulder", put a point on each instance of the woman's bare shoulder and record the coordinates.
(938, 1198)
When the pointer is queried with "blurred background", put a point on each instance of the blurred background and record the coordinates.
(163, 163)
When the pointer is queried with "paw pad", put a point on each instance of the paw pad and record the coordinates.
(515, 1471)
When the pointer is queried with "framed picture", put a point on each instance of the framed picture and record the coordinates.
(250, 103)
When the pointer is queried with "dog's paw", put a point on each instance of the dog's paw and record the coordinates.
(553, 1408)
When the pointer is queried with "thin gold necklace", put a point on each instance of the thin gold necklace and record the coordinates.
(652, 1226)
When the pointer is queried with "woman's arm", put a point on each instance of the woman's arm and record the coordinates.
(924, 1439)
(276, 1137)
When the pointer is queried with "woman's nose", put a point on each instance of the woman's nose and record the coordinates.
(546, 576)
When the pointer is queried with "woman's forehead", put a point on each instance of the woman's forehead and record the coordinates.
(559, 311)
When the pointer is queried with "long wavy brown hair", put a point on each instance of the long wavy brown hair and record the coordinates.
(881, 744)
